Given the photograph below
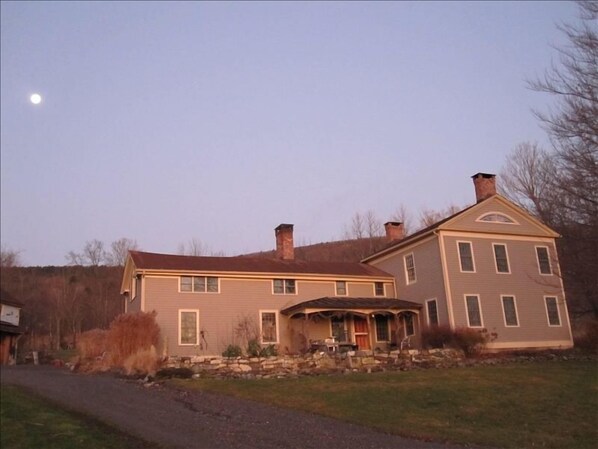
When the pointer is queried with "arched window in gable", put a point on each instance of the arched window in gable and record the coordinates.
(496, 217)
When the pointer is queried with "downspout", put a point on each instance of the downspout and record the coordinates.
(447, 285)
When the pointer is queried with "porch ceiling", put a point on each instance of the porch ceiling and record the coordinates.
(351, 303)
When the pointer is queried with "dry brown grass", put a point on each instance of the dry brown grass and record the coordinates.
(131, 333)
(144, 361)
(93, 343)
(130, 343)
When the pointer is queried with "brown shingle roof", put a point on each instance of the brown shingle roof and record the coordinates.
(336, 303)
(169, 262)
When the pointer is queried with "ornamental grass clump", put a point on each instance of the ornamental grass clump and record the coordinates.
(130, 334)
(92, 344)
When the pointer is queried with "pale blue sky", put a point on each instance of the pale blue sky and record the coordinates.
(164, 122)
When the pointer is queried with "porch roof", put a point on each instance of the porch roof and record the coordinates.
(350, 303)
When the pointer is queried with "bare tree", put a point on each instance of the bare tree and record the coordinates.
(119, 250)
(9, 258)
(402, 215)
(427, 217)
(93, 254)
(573, 125)
(194, 247)
(364, 225)
(527, 179)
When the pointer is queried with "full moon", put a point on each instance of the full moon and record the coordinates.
(35, 98)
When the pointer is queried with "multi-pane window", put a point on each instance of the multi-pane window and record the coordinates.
(379, 288)
(466, 256)
(188, 327)
(284, 286)
(382, 333)
(410, 268)
(341, 288)
(339, 331)
(269, 327)
(552, 310)
(510, 311)
(474, 314)
(199, 284)
(543, 260)
(432, 308)
(501, 258)
(409, 325)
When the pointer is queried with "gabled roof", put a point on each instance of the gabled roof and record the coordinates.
(422, 233)
(6, 298)
(351, 303)
(177, 263)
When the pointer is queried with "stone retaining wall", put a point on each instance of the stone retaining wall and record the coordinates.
(360, 361)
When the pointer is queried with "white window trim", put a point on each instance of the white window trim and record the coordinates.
(336, 288)
(428, 312)
(558, 312)
(504, 314)
(277, 318)
(196, 311)
(193, 284)
(407, 280)
(496, 261)
(479, 308)
(383, 289)
(481, 218)
(472, 256)
(284, 287)
(538, 260)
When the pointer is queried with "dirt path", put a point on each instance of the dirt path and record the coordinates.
(181, 419)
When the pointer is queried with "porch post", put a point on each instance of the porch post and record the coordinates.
(371, 337)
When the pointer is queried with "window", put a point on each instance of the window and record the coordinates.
(284, 286)
(341, 288)
(474, 314)
(497, 217)
(188, 327)
(338, 329)
(409, 326)
(199, 284)
(510, 311)
(410, 268)
(501, 258)
(552, 310)
(432, 309)
(543, 260)
(382, 333)
(269, 326)
(379, 288)
(466, 256)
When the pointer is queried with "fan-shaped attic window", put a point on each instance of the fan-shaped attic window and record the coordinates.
(496, 217)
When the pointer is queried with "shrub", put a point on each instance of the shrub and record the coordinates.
(92, 344)
(437, 337)
(232, 351)
(144, 361)
(130, 334)
(587, 340)
(254, 349)
(470, 341)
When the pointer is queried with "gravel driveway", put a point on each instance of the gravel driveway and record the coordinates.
(184, 419)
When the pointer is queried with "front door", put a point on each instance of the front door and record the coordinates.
(362, 338)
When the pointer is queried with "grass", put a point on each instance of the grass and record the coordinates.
(27, 421)
(549, 404)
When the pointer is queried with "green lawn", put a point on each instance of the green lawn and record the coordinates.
(28, 421)
(548, 405)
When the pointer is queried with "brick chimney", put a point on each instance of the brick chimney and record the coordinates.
(394, 231)
(284, 242)
(485, 185)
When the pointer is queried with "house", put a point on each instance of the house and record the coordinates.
(10, 327)
(490, 266)
(204, 304)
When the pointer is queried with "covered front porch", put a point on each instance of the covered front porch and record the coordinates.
(340, 324)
